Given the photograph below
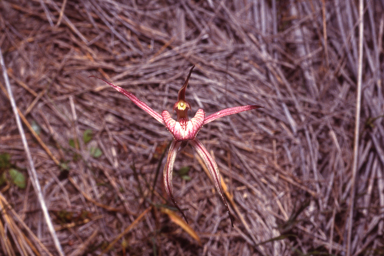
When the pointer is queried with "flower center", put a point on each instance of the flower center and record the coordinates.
(181, 107)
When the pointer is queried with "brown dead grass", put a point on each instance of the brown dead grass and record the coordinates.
(288, 166)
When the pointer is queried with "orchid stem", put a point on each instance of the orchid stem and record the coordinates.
(158, 169)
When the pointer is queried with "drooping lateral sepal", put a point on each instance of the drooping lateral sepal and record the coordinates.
(168, 171)
(184, 129)
(213, 170)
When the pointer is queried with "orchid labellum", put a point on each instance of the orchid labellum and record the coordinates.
(184, 130)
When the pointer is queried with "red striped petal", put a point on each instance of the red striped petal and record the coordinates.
(184, 130)
(135, 100)
(229, 111)
(213, 170)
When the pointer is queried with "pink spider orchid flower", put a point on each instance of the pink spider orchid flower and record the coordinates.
(184, 130)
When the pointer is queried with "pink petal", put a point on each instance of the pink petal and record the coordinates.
(183, 129)
(168, 170)
(213, 170)
(229, 111)
(135, 100)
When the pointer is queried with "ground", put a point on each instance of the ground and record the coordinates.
(289, 171)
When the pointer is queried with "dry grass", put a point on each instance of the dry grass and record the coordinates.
(288, 166)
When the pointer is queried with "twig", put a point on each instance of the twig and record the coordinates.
(47, 13)
(126, 230)
(70, 24)
(357, 125)
(31, 170)
(39, 140)
(22, 223)
(61, 13)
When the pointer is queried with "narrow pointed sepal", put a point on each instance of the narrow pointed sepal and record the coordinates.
(229, 111)
(135, 100)
(213, 170)
(181, 94)
(184, 129)
(168, 171)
